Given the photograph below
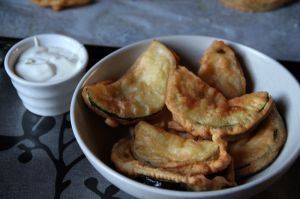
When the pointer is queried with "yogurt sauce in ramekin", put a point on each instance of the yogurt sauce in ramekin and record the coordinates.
(45, 64)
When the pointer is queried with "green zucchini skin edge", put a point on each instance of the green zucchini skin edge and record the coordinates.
(129, 119)
(232, 125)
(267, 100)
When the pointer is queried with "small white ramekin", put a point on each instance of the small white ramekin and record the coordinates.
(46, 98)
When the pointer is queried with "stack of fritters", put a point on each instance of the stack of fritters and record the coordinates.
(216, 129)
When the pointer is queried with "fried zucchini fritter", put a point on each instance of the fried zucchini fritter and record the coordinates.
(202, 111)
(124, 161)
(60, 4)
(255, 5)
(162, 149)
(140, 92)
(258, 149)
(221, 69)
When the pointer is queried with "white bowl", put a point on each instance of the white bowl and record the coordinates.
(46, 98)
(264, 73)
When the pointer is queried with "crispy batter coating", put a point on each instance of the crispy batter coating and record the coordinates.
(124, 161)
(220, 68)
(140, 92)
(255, 5)
(202, 111)
(198, 155)
(162, 149)
(258, 149)
(61, 4)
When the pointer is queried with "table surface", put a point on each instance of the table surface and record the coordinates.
(39, 157)
(121, 22)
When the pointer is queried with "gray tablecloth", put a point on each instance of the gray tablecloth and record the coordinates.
(121, 22)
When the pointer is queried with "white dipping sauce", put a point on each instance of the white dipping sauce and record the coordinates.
(45, 64)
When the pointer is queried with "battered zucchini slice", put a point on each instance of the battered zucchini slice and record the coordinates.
(162, 149)
(221, 69)
(258, 149)
(202, 110)
(137, 94)
(125, 162)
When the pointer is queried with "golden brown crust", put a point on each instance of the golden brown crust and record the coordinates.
(255, 5)
(202, 111)
(256, 151)
(139, 93)
(113, 122)
(61, 4)
(175, 126)
(221, 69)
(227, 179)
(160, 148)
(198, 155)
(125, 163)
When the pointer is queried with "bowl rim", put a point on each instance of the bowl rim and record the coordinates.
(10, 69)
(168, 192)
